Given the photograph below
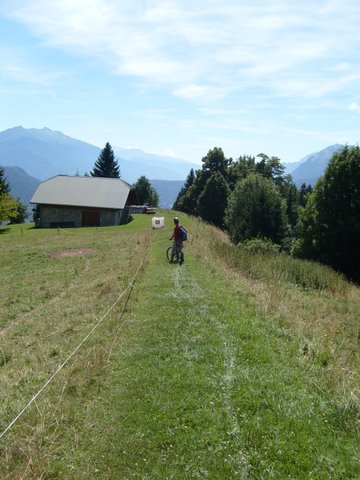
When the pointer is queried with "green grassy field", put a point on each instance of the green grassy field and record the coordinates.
(224, 367)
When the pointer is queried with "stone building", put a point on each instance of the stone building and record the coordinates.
(73, 201)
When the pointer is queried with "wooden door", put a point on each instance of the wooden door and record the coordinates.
(90, 218)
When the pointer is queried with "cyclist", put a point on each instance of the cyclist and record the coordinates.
(177, 237)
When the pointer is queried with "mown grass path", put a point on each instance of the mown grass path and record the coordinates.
(196, 383)
(204, 387)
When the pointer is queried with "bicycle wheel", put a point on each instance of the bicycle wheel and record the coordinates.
(168, 254)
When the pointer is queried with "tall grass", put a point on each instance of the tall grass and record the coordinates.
(281, 268)
(224, 367)
(310, 302)
(49, 304)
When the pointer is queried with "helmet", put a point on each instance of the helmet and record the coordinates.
(176, 220)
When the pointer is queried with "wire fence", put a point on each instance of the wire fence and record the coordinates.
(128, 289)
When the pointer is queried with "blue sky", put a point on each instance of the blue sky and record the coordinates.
(179, 77)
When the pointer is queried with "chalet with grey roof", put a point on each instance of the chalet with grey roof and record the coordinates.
(67, 201)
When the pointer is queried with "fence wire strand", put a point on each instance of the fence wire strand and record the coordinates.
(122, 294)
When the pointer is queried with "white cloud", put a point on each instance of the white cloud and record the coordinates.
(354, 106)
(208, 49)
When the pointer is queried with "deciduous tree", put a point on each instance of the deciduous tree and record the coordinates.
(8, 207)
(215, 161)
(330, 223)
(145, 192)
(11, 209)
(256, 209)
(21, 214)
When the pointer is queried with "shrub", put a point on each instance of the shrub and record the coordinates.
(261, 245)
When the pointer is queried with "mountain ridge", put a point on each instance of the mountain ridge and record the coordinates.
(311, 167)
(32, 155)
(21, 184)
(42, 153)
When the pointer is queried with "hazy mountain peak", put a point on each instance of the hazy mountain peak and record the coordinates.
(324, 153)
(44, 153)
(311, 167)
(44, 134)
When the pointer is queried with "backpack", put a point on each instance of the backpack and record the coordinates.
(184, 233)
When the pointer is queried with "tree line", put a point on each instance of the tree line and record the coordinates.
(253, 198)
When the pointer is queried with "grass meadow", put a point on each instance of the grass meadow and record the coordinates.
(229, 366)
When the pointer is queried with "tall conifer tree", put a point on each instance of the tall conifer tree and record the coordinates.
(4, 186)
(106, 165)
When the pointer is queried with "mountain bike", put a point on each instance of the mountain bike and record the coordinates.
(178, 257)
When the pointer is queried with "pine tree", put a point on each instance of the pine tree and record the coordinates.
(106, 164)
(179, 202)
(304, 193)
(189, 179)
(4, 186)
(213, 199)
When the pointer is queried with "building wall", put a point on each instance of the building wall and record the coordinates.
(62, 217)
(137, 209)
(110, 217)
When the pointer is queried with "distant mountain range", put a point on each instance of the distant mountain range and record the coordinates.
(311, 167)
(135, 162)
(167, 190)
(43, 153)
(32, 155)
(21, 184)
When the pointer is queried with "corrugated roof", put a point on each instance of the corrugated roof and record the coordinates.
(97, 192)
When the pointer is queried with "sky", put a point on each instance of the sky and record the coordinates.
(179, 77)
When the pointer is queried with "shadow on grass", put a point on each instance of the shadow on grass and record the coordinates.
(16, 228)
